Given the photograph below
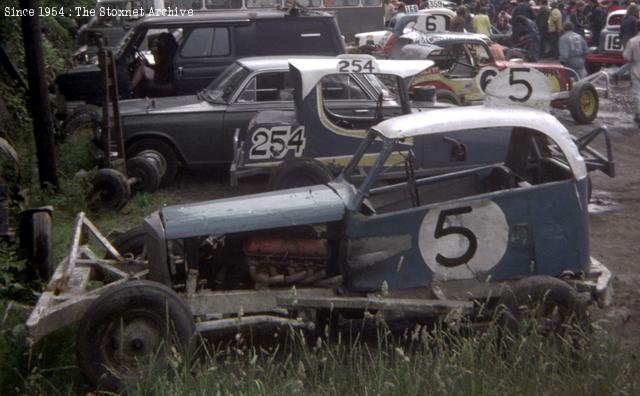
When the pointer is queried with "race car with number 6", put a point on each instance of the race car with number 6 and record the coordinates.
(465, 62)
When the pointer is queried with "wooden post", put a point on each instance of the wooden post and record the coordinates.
(39, 96)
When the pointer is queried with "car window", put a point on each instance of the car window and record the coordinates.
(147, 40)
(341, 3)
(184, 4)
(262, 3)
(303, 36)
(222, 4)
(268, 87)
(480, 54)
(342, 87)
(204, 42)
(310, 3)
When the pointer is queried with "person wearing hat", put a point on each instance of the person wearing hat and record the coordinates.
(572, 48)
(631, 55)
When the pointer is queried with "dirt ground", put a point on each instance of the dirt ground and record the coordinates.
(615, 213)
(615, 209)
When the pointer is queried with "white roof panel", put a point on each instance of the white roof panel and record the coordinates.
(312, 70)
(476, 117)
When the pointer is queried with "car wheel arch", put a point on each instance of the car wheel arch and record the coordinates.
(138, 136)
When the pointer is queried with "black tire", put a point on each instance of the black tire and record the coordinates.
(584, 103)
(42, 245)
(165, 150)
(156, 158)
(131, 245)
(550, 302)
(84, 117)
(130, 242)
(110, 190)
(147, 173)
(446, 96)
(129, 326)
(592, 67)
(299, 172)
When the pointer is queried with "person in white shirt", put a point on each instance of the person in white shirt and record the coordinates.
(631, 55)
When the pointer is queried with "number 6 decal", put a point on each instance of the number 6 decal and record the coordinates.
(458, 242)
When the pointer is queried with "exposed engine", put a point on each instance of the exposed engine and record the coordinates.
(275, 261)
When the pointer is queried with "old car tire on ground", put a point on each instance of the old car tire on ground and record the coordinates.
(110, 190)
(299, 172)
(165, 150)
(87, 116)
(446, 96)
(584, 102)
(129, 323)
(156, 158)
(550, 302)
(42, 244)
(147, 173)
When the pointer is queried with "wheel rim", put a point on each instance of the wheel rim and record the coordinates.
(131, 342)
(588, 103)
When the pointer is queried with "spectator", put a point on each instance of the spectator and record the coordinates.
(525, 31)
(481, 23)
(502, 22)
(457, 22)
(615, 6)
(596, 19)
(578, 19)
(555, 29)
(523, 8)
(631, 55)
(542, 20)
(572, 49)
(157, 79)
(628, 29)
(389, 10)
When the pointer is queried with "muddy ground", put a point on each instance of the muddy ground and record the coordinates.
(615, 208)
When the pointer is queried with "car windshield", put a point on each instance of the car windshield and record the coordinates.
(223, 87)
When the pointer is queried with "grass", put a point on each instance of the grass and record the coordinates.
(435, 362)
(440, 361)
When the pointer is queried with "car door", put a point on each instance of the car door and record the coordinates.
(204, 53)
(459, 232)
(267, 90)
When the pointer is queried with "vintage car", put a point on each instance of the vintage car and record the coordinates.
(428, 20)
(465, 62)
(198, 130)
(609, 49)
(512, 233)
(312, 144)
(207, 42)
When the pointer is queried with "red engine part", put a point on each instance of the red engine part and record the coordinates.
(292, 248)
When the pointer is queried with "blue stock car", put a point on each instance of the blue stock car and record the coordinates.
(425, 245)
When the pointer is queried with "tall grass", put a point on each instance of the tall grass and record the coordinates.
(439, 361)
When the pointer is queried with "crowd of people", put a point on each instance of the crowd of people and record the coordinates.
(553, 29)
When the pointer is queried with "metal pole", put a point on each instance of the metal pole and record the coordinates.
(39, 97)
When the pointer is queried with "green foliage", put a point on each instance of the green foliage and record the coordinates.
(423, 362)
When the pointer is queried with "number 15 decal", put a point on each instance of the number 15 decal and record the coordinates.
(460, 241)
